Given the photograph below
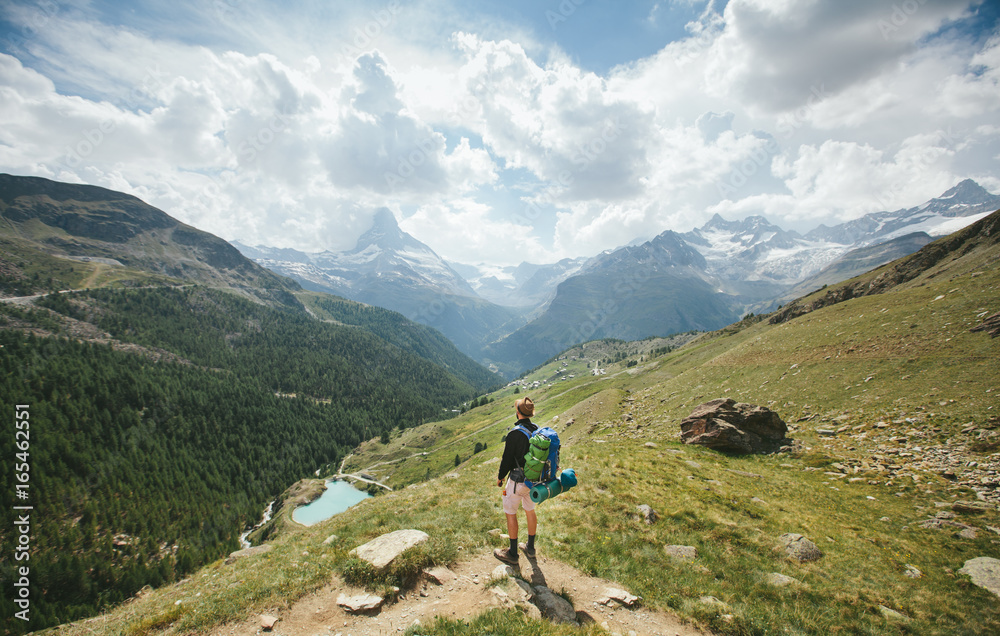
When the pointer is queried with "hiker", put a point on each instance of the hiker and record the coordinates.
(515, 492)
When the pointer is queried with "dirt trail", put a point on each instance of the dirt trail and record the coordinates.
(462, 598)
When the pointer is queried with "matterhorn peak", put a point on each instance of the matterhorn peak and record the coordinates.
(384, 233)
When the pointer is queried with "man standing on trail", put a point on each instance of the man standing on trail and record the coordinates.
(515, 491)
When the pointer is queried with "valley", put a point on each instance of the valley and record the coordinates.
(512, 319)
(891, 400)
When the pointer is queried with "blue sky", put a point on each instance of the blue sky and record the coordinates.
(501, 132)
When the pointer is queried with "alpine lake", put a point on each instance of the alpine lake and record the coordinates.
(338, 497)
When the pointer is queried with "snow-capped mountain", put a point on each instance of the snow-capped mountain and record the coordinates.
(391, 269)
(755, 250)
(962, 205)
(383, 252)
(702, 279)
(711, 276)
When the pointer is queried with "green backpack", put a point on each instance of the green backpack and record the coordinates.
(542, 459)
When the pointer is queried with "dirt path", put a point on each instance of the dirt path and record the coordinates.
(462, 598)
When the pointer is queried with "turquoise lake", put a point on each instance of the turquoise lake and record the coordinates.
(338, 497)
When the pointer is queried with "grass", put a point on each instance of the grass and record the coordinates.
(904, 360)
(500, 622)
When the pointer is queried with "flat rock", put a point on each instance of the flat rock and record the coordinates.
(247, 552)
(381, 551)
(799, 548)
(967, 533)
(614, 594)
(984, 572)
(360, 603)
(892, 614)
(554, 607)
(267, 622)
(682, 552)
(972, 507)
(781, 580)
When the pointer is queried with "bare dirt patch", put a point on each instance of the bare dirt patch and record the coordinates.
(462, 598)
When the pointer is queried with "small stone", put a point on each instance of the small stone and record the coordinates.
(267, 622)
(967, 533)
(800, 548)
(440, 575)
(620, 596)
(331, 539)
(781, 580)
(647, 514)
(892, 614)
(913, 572)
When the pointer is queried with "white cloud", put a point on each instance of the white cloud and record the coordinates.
(772, 54)
(805, 111)
(562, 124)
(465, 231)
(839, 181)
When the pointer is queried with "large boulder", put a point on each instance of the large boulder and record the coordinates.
(735, 427)
(382, 551)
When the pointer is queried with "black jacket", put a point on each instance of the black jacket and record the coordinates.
(516, 448)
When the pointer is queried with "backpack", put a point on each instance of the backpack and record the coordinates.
(541, 462)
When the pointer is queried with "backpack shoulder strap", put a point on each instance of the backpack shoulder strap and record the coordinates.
(523, 429)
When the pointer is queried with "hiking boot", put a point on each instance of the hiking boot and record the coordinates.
(503, 554)
(528, 552)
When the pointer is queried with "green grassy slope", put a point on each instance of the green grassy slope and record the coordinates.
(103, 229)
(885, 395)
(164, 419)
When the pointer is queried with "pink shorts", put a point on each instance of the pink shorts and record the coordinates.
(514, 496)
